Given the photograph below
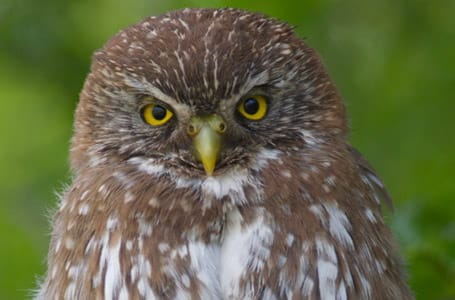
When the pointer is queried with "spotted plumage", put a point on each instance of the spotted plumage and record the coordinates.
(183, 190)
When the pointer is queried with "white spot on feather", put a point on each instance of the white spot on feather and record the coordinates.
(58, 245)
(341, 292)
(370, 216)
(113, 277)
(281, 261)
(268, 294)
(264, 156)
(123, 295)
(339, 225)
(84, 194)
(309, 137)
(110, 262)
(231, 183)
(289, 239)
(102, 189)
(163, 247)
(327, 267)
(308, 285)
(145, 228)
(317, 210)
(380, 265)
(365, 284)
(244, 246)
(154, 202)
(142, 270)
(111, 223)
(205, 264)
(186, 280)
(128, 197)
(147, 165)
(84, 209)
(286, 173)
(151, 34)
(69, 243)
(129, 245)
(90, 245)
(54, 272)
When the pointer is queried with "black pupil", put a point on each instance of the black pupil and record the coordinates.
(159, 112)
(251, 106)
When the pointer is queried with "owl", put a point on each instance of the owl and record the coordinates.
(210, 161)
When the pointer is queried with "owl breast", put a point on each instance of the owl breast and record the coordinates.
(222, 270)
(211, 259)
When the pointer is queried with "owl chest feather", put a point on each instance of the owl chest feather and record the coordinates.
(236, 240)
(221, 269)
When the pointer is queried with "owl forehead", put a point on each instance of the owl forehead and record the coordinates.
(198, 55)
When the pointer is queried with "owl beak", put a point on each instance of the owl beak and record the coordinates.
(207, 132)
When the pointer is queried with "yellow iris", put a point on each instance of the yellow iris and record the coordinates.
(253, 107)
(156, 115)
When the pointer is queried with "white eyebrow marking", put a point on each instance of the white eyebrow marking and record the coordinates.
(146, 87)
(158, 94)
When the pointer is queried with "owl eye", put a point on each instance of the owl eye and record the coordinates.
(253, 107)
(155, 114)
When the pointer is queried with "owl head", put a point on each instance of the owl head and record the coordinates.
(201, 92)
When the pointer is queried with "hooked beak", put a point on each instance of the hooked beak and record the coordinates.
(207, 132)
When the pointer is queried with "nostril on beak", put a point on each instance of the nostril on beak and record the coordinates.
(217, 123)
(191, 130)
(221, 127)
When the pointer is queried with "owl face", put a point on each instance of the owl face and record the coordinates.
(200, 100)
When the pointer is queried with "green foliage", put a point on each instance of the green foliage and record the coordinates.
(393, 62)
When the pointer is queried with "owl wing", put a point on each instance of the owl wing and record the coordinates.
(317, 235)
(370, 177)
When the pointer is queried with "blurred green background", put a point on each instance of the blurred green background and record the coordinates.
(393, 62)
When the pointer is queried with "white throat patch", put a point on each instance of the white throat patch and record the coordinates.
(231, 183)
